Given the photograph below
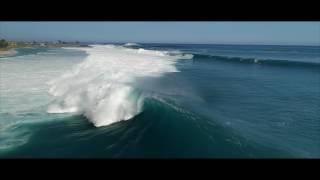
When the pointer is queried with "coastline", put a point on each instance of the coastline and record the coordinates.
(7, 53)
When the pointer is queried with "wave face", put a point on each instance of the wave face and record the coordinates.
(102, 87)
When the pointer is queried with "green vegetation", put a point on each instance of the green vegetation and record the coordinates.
(8, 45)
(4, 44)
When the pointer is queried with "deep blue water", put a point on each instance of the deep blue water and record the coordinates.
(228, 101)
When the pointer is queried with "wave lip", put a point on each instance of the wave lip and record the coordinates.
(102, 87)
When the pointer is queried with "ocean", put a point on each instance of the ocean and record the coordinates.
(161, 101)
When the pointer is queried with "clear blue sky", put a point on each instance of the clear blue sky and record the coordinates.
(296, 33)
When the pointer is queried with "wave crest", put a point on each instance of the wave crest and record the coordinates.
(102, 87)
(131, 45)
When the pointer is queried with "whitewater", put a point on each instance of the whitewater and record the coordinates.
(160, 101)
(102, 87)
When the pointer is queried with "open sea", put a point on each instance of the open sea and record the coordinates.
(161, 101)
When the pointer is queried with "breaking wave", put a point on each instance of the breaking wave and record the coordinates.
(102, 87)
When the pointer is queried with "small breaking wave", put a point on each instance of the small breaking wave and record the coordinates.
(275, 62)
(131, 45)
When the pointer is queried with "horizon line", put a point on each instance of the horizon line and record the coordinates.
(182, 43)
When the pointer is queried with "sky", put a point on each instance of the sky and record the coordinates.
(282, 33)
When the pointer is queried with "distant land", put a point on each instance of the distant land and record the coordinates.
(7, 48)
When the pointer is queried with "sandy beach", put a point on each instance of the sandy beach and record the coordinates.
(5, 53)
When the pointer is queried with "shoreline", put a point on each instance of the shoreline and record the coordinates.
(8, 53)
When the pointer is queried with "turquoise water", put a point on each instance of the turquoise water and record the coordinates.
(224, 101)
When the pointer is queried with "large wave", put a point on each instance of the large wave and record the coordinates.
(102, 87)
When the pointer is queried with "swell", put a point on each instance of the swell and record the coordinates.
(165, 129)
(272, 62)
(191, 134)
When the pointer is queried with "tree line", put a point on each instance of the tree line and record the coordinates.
(3, 43)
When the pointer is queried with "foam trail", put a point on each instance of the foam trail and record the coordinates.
(102, 86)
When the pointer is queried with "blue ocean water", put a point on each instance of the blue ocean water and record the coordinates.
(177, 100)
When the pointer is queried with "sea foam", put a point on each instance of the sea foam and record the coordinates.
(131, 45)
(102, 86)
